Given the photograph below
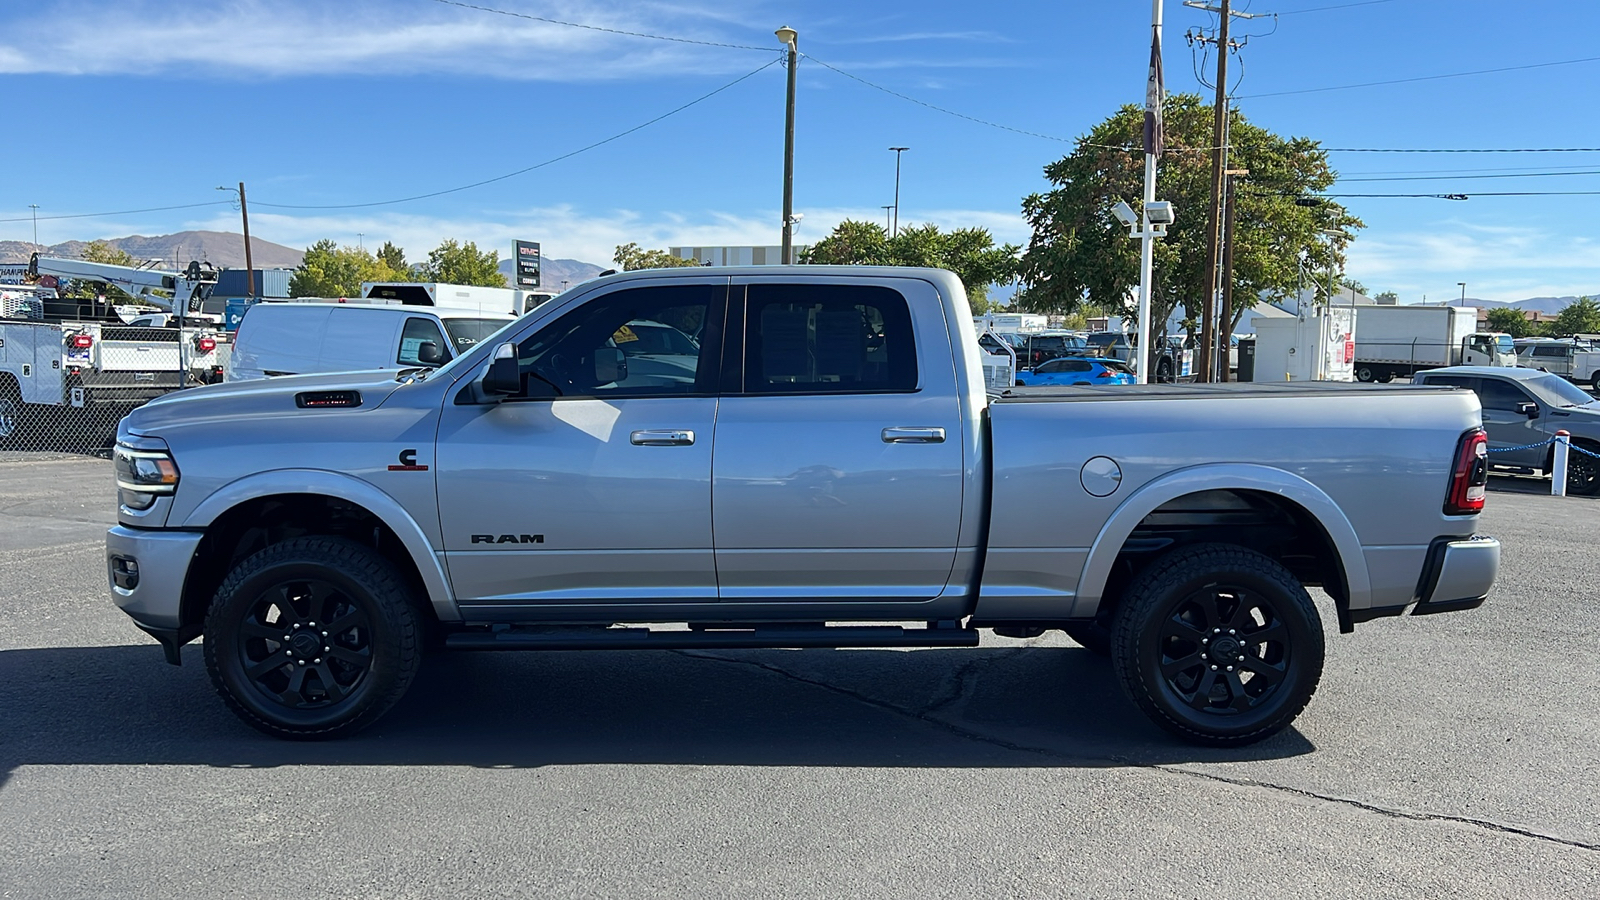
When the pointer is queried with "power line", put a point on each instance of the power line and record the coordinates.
(1295, 12)
(948, 112)
(538, 165)
(1480, 194)
(121, 212)
(638, 34)
(1469, 177)
(1463, 150)
(1346, 87)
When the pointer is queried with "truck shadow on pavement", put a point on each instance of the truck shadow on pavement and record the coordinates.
(1022, 706)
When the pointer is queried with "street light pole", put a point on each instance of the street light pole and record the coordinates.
(895, 228)
(1154, 98)
(1463, 292)
(886, 225)
(789, 37)
(35, 208)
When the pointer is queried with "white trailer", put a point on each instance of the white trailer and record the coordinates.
(488, 300)
(1317, 347)
(1399, 341)
(1011, 323)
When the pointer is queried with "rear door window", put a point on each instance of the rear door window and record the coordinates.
(828, 338)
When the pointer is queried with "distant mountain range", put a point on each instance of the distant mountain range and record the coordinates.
(1548, 305)
(223, 250)
(555, 275)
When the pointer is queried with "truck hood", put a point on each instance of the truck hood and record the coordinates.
(255, 399)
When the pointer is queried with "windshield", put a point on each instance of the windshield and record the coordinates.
(1557, 391)
(468, 333)
(1503, 344)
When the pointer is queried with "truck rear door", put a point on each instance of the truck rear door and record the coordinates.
(837, 473)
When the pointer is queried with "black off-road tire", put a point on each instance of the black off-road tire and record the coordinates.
(1091, 636)
(337, 619)
(14, 417)
(1583, 471)
(1218, 644)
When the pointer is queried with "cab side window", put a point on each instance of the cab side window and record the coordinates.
(417, 332)
(1496, 394)
(635, 342)
(825, 339)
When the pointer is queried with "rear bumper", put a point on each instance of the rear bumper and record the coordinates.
(1457, 574)
(153, 593)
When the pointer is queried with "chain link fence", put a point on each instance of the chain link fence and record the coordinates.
(64, 387)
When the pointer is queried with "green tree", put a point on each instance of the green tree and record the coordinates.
(630, 256)
(970, 253)
(1079, 252)
(456, 263)
(1582, 316)
(328, 270)
(395, 259)
(1509, 320)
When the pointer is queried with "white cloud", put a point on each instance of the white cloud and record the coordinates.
(570, 233)
(1497, 262)
(256, 38)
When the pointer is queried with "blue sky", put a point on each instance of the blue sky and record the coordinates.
(128, 104)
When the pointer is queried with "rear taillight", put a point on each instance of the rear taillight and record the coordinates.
(1470, 477)
(206, 345)
(82, 341)
(1104, 373)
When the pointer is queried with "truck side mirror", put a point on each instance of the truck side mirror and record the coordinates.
(429, 354)
(610, 365)
(503, 378)
(1531, 410)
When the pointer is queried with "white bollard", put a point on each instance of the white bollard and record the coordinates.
(1558, 464)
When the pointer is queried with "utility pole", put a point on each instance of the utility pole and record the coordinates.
(895, 228)
(790, 37)
(35, 208)
(1225, 322)
(249, 268)
(1209, 338)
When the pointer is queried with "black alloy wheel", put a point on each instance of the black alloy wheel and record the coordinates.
(1218, 644)
(1583, 471)
(312, 638)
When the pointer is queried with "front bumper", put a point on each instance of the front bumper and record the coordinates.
(152, 592)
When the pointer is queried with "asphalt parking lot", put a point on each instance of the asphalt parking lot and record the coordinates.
(1446, 756)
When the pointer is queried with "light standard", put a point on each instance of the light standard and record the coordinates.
(886, 225)
(1463, 292)
(789, 37)
(895, 228)
(35, 208)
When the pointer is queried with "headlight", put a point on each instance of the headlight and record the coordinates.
(142, 475)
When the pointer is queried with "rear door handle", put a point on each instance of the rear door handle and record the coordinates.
(905, 435)
(663, 438)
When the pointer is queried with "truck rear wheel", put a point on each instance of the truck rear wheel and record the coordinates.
(1365, 373)
(312, 638)
(13, 416)
(1218, 644)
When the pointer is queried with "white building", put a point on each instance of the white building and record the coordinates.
(736, 256)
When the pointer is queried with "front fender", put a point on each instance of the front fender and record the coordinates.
(344, 487)
(1223, 476)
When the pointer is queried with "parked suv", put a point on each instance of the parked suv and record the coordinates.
(1033, 349)
(1523, 407)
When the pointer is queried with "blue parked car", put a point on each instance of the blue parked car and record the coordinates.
(1075, 370)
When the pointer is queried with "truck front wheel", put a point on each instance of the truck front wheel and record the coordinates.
(1218, 644)
(312, 638)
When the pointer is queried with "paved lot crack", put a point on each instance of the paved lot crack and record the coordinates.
(963, 675)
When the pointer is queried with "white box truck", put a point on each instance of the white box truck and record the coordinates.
(1399, 341)
(1318, 347)
(488, 300)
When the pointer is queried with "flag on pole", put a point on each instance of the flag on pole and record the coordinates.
(1154, 94)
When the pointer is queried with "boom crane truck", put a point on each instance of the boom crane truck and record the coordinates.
(70, 368)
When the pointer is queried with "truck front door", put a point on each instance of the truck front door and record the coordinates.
(600, 495)
(837, 476)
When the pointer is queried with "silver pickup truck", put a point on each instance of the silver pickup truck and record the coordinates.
(782, 457)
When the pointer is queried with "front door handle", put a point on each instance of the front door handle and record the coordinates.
(663, 438)
(905, 435)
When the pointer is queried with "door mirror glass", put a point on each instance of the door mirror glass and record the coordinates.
(610, 366)
(429, 354)
(503, 378)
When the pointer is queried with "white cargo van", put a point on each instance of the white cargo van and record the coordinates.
(304, 338)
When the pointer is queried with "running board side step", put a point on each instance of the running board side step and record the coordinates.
(699, 638)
